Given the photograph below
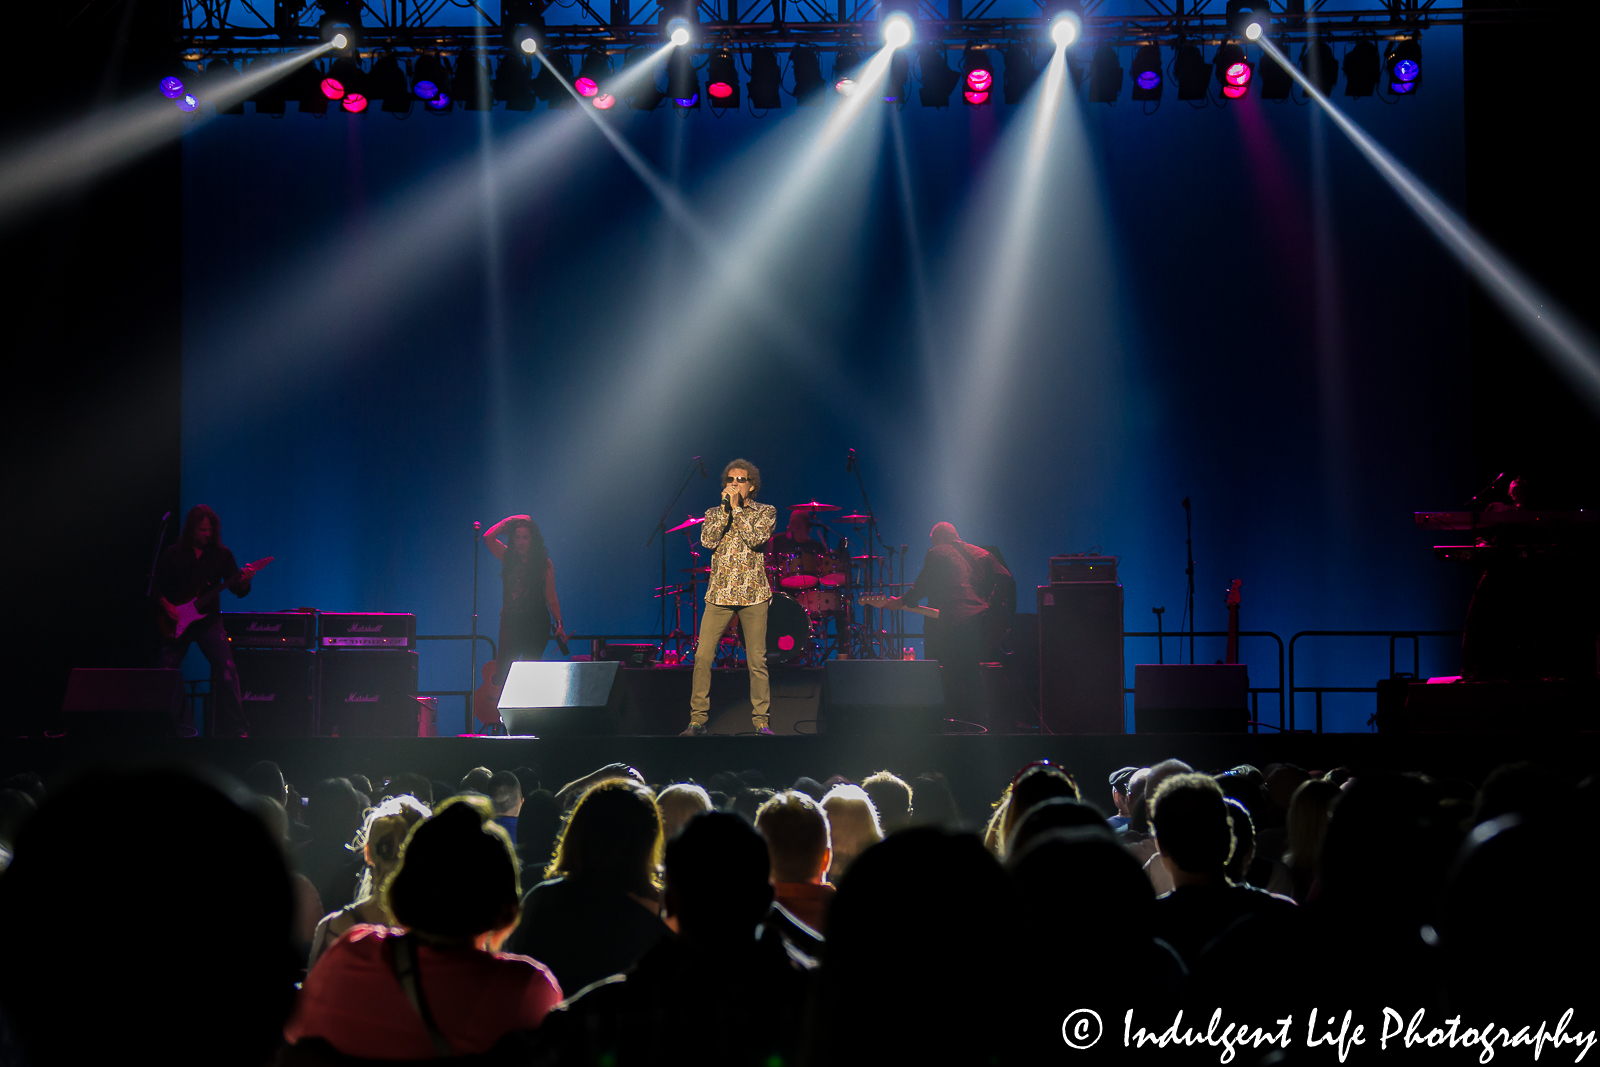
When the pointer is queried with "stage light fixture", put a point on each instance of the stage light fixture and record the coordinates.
(1319, 66)
(1147, 79)
(938, 80)
(305, 87)
(1192, 72)
(594, 70)
(214, 84)
(680, 31)
(349, 75)
(1404, 60)
(1233, 70)
(187, 102)
(440, 103)
(1275, 79)
(977, 71)
(683, 82)
(897, 30)
(1105, 76)
(471, 83)
(766, 80)
(605, 101)
(1065, 28)
(354, 103)
(513, 81)
(1247, 18)
(722, 78)
(387, 83)
(1020, 72)
(333, 88)
(845, 62)
(270, 99)
(523, 25)
(172, 87)
(894, 81)
(1361, 69)
(430, 76)
(340, 25)
(807, 65)
(547, 86)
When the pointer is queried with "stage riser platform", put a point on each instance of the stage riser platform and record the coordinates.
(978, 768)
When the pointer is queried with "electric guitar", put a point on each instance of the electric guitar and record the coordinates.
(883, 602)
(486, 698)
(187, 614)
(1231, 599)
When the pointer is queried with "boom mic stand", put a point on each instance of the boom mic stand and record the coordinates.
(1188, 605)
(874, 540)
(695, 464)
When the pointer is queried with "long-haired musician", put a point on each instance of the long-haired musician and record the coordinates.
(530, 601)
(200, 559)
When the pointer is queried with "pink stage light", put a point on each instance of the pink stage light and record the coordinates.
(1234, 92)
(332, 88)
(979, 81)
(605, 101)
(1237, 74)
(586, 86)
(354, 103)
(976, 98)
(720, 90)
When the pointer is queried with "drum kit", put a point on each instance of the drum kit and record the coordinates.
(813, 586)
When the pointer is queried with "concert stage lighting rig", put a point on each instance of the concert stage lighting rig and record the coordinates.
(722, 78)
(938, 80)
(1020, 73)
(1105, 76)
(845, 64)
(470, 86)
(1361, 69)
(594, 70)
(1319, 66)
(807, 66)
(1403, 60)
(1192, 72)
(977, 76)
(683, 82)
(1233, 71)
(894, 80)
(766, 80)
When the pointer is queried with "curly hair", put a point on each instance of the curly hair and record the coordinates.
(750, 469)
(382, 833)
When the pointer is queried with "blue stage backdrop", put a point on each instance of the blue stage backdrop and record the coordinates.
(394, 328)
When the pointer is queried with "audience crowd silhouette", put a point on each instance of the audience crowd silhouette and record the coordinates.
(188, 917)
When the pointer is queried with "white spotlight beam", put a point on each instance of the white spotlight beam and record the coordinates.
(629, 76)
(65, 159)
(1549, 326)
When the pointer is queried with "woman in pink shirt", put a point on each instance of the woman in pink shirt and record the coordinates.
(436, 984)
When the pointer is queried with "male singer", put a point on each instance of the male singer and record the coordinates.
(736, 529)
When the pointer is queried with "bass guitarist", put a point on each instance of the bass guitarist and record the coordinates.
(966, 584)
(199, 560)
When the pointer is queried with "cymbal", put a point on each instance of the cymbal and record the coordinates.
(866, 557)
(686, 525)
(694, 570)
(813, 506)
(859, 520)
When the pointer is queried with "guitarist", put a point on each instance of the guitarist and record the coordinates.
(530, 600)
(199, 559)
(966, 584)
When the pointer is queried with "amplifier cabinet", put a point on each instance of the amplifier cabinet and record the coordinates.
(373, 630)
(1080, 658)
(1082, 568)
(270, 629)
(277, 690)
(370, 693)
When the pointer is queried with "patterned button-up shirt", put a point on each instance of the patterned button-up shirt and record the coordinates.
(738, 567)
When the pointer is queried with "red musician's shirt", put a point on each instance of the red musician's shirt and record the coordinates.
(353, 1000)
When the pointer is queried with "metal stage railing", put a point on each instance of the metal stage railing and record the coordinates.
(464, 694)
(1414, 636)
(1255, 691)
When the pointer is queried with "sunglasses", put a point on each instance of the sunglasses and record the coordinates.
(726, 480)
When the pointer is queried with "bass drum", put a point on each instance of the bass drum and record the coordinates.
(788, 630)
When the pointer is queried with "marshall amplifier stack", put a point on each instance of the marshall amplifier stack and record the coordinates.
(327, 673)
(1080, 646)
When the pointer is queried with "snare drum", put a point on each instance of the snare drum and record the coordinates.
(795, 571)
(823, 601)
(833, 569)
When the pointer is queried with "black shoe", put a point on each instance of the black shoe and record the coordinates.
(766, 731)
(696, 729)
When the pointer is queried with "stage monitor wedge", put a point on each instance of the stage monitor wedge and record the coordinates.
(1191, 698)
(561, 699)
(881, 696)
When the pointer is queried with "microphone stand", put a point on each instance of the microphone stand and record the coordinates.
(874, 538)
(1188, 547)
(472, 683)
(161, 540)
(661, 531)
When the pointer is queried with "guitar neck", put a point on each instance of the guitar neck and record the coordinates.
(915, 609)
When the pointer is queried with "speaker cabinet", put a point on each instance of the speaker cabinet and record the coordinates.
(1191, 698)
(276, 690)
(367, 693)
(881, 696)
(1080, 658)
(552, 698)
(122, 703)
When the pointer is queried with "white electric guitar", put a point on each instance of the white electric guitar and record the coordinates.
(884, 602)
(187, 614)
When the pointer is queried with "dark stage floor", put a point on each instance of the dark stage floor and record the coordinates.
(978, 767)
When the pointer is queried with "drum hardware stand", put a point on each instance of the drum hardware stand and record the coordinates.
(874, 538)
(695, 464)
(677, 636)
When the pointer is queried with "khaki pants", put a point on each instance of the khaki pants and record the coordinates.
(753, 624)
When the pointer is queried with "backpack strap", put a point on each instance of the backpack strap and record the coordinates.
(403, 954)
